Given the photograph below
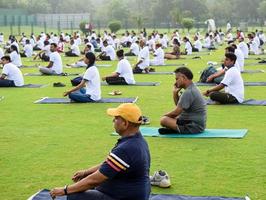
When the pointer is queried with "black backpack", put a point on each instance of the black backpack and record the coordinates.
(206, 73)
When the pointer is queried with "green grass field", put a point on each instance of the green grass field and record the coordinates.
(41, 146)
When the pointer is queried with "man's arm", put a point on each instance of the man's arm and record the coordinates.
(81, 85)
(50, 64)
(114, 74)
(89, 182)
(3, 76)
(216, 88)
(42, 51)
(215, 75)
(176, 112)
(176, 96)
(84, 173)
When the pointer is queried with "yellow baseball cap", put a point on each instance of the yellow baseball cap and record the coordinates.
(128, 111)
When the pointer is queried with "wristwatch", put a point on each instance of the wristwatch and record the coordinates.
(65, 189)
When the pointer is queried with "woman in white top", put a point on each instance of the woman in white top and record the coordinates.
(15, 56)
(123, 74)
(91, 81)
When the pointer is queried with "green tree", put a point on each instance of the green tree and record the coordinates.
(114, 26)
(188, 23)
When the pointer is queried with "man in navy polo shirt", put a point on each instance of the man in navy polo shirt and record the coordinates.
(124, 175)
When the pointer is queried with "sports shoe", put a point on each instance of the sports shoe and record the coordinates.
(145, 120)
(160, 179)
(58, 84)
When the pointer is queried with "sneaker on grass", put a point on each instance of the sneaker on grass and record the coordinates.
(160, 179)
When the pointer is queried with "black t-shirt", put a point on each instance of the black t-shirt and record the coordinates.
(127, 168)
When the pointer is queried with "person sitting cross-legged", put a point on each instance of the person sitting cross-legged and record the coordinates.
(124, 174)
(11, 74)
(232, 82)
(123, 74)
(189, 115)
(91, 80)
(55, 66)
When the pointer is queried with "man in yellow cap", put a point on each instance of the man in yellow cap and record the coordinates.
(125, 172)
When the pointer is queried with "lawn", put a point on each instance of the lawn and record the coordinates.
(41, 146)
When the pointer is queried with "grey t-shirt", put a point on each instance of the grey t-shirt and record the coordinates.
(194, 107)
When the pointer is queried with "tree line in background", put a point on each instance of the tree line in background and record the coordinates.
(151, 13)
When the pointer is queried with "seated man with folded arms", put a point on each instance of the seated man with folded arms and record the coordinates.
(108, 52)
(232, 82)
(11, 74)
(123, 74)
(55, 65)
(143, 59)
(158, 56)
(124, 174)
(74, 49)
(134, 49)
(189, 114)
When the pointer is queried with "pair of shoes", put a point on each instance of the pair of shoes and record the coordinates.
(164, 131)
(59, 84)
(145, 120)
(263, 61)
(160, 179)
(115, 92)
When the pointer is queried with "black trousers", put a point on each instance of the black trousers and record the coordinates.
(116, 81)
(130, 54)
(137, 70)
(70, 54)
(7, 83)
(44, 57)
(223, 98)
(102, 57)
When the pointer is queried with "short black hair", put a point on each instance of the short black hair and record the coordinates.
(186, 71)
(6, 58)
(54, 44)
(230, 49)
(231, 56)
(120, 53)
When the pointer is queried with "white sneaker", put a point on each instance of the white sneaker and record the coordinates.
(160, 179)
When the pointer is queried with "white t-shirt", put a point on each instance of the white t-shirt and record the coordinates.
(254, 47)
(234, 84)
(1, 39)
(15, 58)
(188, 48)
(28, 50)
(75, 49)
(47, 50)
(158, 57)
(240, 59)
(198, 45)
(244, 48)
(134, 48)
(110, 51)
(93, 83)
(144, 55)
(40, 44)
(1, 53)
(57, 62)
(207, 42)
(13, 73)
(124, 69)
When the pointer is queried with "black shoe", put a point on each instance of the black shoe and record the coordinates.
(196, 57)
(59, 84)
(164, 131)
(263, 61)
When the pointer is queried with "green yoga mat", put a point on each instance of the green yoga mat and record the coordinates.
(208, 133)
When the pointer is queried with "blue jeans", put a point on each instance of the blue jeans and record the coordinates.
(80, 96)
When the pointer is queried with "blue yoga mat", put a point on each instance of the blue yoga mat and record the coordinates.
(44, 195)
(208, 133)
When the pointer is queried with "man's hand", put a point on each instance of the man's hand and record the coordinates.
(209, 79)
(176, 89)
(206, 93)
(57, 192)
(79, 175)
(66, 93)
